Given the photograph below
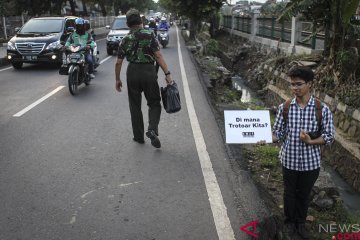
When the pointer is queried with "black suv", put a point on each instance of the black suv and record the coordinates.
(39, 40)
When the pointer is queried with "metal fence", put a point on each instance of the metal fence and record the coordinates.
(270, 28)
(242, 24)
(8, 24)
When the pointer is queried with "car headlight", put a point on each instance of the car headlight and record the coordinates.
(53, 45)
(11, 46)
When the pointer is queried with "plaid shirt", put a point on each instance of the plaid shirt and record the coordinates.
(296, 154)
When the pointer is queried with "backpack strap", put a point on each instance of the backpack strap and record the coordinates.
(318, 112)
(286, 110)
(318, 106)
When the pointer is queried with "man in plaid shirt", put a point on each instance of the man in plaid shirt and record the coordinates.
(300, 151)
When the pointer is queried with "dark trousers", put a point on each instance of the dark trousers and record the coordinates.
(89, 60)
(142, 78)
(297, 189)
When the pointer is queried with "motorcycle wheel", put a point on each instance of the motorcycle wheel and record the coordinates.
(73, 81)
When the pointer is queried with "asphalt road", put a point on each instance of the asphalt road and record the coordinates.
(70, 170)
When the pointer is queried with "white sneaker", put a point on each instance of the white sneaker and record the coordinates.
(92, 76)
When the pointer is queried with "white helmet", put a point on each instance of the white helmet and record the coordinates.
(163, 19)
(151, 19)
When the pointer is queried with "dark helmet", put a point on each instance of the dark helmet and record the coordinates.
(79, 26)
(87, 25)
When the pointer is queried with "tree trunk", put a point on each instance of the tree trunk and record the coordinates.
(103, 9)
(327, 37)
(72, 6)
(194, 28)
(338, 34)
(84, 8)
(57, 7)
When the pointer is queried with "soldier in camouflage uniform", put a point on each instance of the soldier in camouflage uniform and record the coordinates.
(142, 50)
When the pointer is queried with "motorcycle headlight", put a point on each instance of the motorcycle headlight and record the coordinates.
(53, 45)
(11, 46)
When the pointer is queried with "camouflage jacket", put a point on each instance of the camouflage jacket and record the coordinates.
(138, 46)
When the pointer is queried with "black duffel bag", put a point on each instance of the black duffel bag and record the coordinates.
(171, 98)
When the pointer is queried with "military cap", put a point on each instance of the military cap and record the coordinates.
(133, 16)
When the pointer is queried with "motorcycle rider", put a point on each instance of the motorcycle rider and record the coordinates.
(152, 25)
(164, 24)
(93, 35)
(89, 29)
(83, 38)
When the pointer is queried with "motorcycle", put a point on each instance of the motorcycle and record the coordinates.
(163, 37)
(75, 66)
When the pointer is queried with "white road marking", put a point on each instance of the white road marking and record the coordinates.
(218, 208)
(6, 69)
(85, 194)
(128, 184)
(28, 108)
(101, 39)
(105, 59)
(73, 218)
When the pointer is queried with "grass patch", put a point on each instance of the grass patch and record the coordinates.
(268, 156)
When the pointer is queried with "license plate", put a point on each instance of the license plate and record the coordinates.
(75, 55)
(30, 58)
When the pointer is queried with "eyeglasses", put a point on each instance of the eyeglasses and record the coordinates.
(297, 85)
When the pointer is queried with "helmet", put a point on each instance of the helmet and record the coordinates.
(79, 26)
(79, 21)
(152, 19)
(163, 20)
(86, 25)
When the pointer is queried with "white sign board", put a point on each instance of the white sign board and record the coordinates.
(247, 126)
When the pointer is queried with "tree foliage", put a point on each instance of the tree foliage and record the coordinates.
(331, 16)
(195, 10)
(54, 7)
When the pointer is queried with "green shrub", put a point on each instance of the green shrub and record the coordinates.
(212, 47)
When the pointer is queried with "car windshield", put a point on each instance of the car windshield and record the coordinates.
(119, 24)
(43, 26)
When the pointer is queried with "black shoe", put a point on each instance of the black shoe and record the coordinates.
(289, 229)
(154, 138)
(141, 141)
(303, 231)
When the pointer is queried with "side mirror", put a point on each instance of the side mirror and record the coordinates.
(17, 29)
(107, 27)
(70, 29)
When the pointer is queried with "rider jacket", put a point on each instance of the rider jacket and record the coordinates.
(82, 40)
(164, 26)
